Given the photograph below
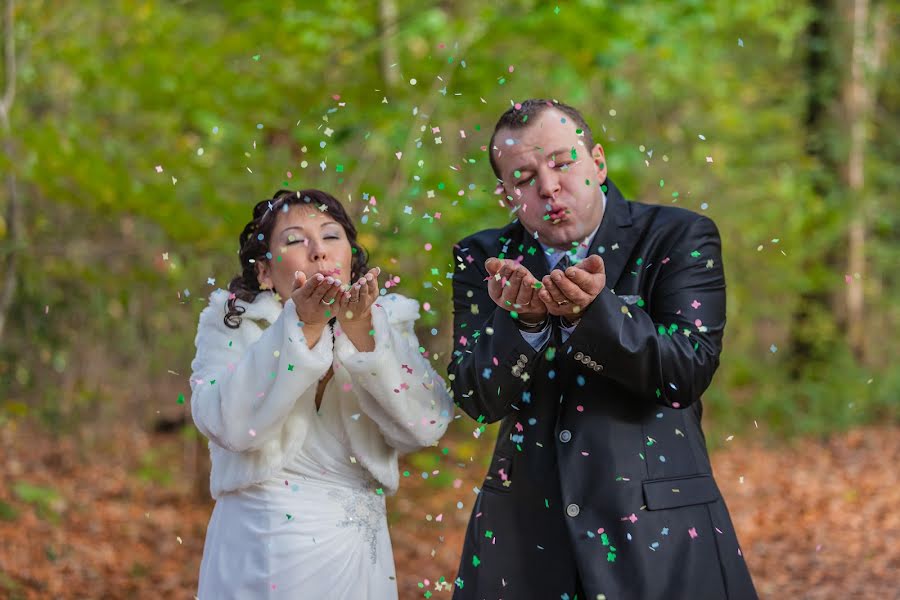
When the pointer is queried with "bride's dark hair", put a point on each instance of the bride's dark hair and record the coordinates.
(254, 243)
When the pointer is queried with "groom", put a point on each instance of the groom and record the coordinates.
(590, 326)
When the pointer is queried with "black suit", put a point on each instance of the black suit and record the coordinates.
(600, 475)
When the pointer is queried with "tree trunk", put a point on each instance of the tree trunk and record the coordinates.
(815, 301)
(14, 219)
(858, 95)
(387, 15)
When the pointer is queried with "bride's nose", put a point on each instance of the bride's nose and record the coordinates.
(316, 251)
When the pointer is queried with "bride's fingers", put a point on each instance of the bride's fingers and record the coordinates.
(354, 294)
(299, 280)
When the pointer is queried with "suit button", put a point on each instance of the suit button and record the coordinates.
(586, 360)
(598, 368)
(572, 510)
(565, 435)
(579, 355)
(523, 358)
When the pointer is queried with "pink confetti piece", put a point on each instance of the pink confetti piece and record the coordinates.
(693, 532)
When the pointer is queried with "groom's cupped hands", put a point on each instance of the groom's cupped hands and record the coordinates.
(568, 293)
(564, 294)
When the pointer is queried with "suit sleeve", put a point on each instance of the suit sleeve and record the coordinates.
(492, 364)
(669, 354)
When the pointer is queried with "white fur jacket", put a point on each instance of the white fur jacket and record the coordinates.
(253, 389)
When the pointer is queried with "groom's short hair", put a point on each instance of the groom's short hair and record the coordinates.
(518, 118)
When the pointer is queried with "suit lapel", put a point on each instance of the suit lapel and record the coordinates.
(616, 238)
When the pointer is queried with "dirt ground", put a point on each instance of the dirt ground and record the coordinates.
(817, 518)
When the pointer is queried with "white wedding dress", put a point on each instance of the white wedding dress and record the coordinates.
(316, 530)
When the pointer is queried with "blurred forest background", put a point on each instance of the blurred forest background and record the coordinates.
(137, 135)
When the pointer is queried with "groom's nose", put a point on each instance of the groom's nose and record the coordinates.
(548, 184)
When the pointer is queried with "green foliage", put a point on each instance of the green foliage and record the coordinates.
(45, 500)
(235, 100)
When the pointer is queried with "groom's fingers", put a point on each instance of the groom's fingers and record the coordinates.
(588, 282)
(511, 290)
(493, 265)
(526, 291)
(572, 292)
(593, 264)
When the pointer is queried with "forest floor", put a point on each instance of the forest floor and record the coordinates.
(117, 518)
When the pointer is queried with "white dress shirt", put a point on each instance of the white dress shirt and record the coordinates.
(538, 339)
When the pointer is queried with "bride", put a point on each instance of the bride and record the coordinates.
(308, 385)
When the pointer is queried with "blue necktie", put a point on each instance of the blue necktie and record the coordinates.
(564, 263)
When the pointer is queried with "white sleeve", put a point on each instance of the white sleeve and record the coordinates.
(242, 395)
(395, 385)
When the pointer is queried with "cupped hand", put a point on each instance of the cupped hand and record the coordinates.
(315, 297)
(513, 288)
(567, 294)
(355, 303)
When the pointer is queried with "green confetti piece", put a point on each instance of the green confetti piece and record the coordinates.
(488, 534)
(537, 285)
(180, 398)
(517, 173)
(290, 367)
(574, 154)
(610, 557)
(662, 182)
(556, 10)
(695, 253)
(380, 492)
(475, 560)
(256, 57)
(289, 517)
(514, 314)
(340, 168)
